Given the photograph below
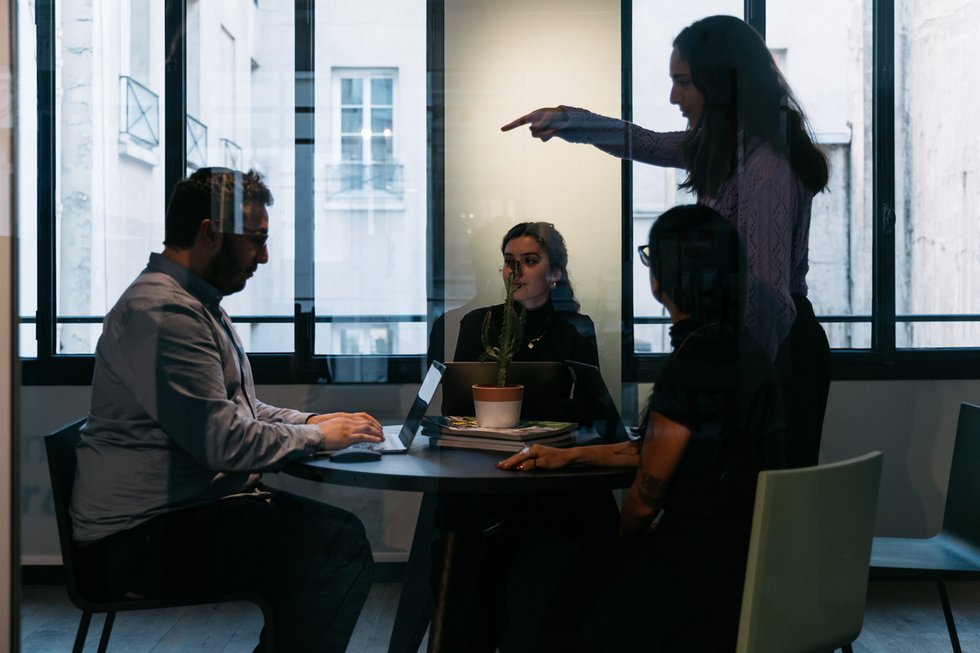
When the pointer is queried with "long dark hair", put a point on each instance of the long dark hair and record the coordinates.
(745, 96)
(552, 242)
(696, 257)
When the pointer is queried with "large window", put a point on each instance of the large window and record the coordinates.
(348, 229)
(340, 106)
(937, 174)
(866, 229)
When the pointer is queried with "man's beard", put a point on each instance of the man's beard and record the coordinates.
(224, 270)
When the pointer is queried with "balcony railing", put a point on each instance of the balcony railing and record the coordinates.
(385, 178)
(231, 154)
(197, 143)
(141, 112)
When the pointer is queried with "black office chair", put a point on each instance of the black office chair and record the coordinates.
(62, 461)
(954, 552)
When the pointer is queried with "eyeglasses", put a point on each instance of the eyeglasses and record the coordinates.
(257, 238)
(644, 252)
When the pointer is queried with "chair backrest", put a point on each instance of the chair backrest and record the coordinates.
(806, 578)
(62, 461)
(961, 516)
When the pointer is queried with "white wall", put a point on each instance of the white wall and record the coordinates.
(504, 59)
(912, 422)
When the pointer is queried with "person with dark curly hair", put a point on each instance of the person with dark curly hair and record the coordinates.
(168, 499)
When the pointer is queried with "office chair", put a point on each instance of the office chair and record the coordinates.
(954, 552)
(62, 461)
(806, 579)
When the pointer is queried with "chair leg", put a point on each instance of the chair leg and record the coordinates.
(82, 632)
(110, 617)
(948, 613)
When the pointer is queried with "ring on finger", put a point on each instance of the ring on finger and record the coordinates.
(526, 450)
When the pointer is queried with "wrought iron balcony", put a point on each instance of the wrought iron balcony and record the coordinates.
(141, 112)
(231, 154)
(197, 143)
(387, 178)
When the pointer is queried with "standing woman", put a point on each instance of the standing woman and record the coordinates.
(750, 157)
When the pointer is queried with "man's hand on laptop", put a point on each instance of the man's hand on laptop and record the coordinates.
(341, 430)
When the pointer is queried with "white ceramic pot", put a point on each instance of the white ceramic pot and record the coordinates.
(498, 406)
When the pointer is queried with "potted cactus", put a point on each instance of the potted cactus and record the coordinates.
(499, 406)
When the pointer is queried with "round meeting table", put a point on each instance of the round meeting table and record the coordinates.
(434, 470)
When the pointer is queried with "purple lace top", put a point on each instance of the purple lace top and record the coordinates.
(765, 201)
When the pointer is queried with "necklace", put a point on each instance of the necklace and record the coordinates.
(544, 328)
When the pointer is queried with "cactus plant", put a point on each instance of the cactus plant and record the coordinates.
(511, 331)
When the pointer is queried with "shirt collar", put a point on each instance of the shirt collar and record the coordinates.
(195, 285)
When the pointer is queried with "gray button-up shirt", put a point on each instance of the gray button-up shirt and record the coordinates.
(174, 419)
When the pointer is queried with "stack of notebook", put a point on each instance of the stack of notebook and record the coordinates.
(465, 433)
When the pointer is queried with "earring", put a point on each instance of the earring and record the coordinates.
(554, 284)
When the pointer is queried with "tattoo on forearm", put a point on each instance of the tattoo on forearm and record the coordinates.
(629, 449)
(651, 490)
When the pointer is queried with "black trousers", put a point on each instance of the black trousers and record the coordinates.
(309, 560)
(803, 365)
(522, 569)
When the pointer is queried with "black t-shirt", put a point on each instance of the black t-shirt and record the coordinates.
(724, 389)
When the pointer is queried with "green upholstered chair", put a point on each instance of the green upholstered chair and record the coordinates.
(954, 552)
(806, 578)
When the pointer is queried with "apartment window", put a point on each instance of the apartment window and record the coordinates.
(365, 134)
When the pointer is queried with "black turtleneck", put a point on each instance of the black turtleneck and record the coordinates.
(549, 335)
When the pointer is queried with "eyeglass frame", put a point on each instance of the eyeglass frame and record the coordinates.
(644, 253)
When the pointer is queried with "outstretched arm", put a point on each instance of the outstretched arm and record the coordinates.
(616, 137)
(544, 122)
(538, 456)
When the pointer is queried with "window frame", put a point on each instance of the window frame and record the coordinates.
(882, 361)
(301, 366)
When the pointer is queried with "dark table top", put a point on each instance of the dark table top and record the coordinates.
(436, 469)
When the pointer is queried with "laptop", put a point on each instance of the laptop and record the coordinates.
(546, 384)
(590, 386)
(399, 437)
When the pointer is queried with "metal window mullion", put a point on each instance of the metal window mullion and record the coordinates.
(883, 178)
(628, 341)
(175, 95)
(304, 328)
(47, 289)
(755, 15)
(435, 65)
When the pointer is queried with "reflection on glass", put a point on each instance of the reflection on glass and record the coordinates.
(109, 161)
(655, 24)
(808, 40)
(26, 177)
(937, 171)
(370, 200)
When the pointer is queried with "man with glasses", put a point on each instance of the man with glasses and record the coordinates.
(168, 499)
